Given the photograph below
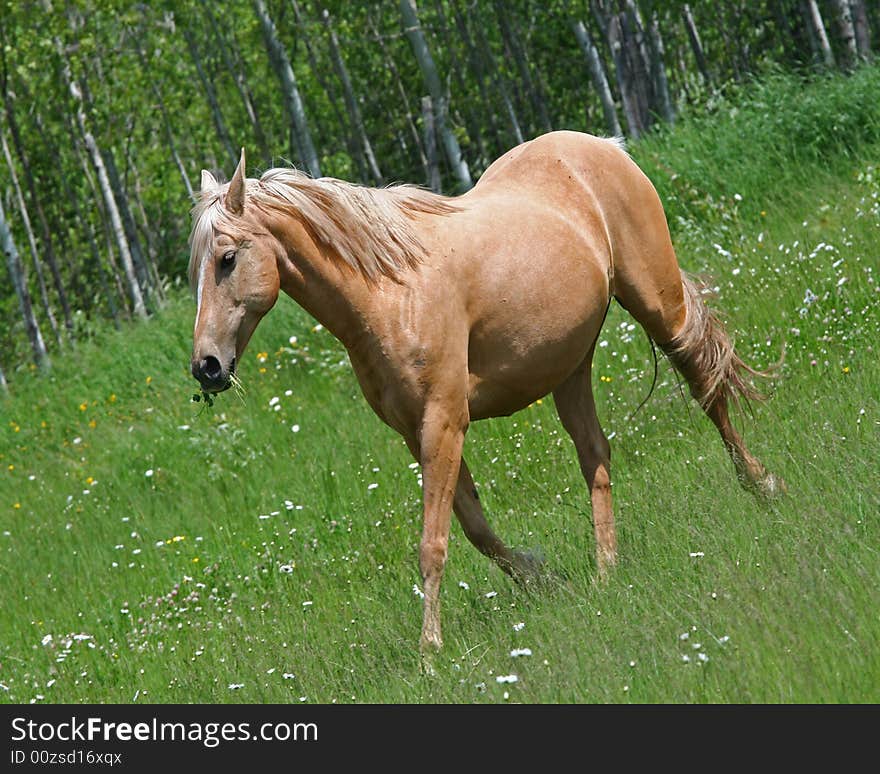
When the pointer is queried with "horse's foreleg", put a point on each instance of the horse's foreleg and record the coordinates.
(577, 410)
(440, 442)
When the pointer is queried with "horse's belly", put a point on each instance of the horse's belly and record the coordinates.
(507, 372)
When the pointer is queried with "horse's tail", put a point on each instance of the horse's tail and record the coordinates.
(704, 353)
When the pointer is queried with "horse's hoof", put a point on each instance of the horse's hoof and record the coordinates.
(426, 663)
(768, 487)
(528, 566)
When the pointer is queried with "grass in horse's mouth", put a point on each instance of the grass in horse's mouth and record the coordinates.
(207, 397)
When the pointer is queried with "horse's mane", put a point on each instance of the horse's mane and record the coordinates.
(368, 229)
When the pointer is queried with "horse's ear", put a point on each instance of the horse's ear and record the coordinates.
(209, 182)
(235, 193)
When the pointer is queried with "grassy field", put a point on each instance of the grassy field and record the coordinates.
(153, 549)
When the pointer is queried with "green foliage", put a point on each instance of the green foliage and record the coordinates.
(145, 99)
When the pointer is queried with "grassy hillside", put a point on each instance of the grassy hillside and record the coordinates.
(153, 549)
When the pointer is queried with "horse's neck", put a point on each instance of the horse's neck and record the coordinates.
(333, 295)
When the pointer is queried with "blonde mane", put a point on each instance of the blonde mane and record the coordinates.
(368, 229)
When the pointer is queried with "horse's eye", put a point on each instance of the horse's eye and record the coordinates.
(228, 259)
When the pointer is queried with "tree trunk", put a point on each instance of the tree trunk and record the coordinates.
(318, 73)
(19, 282)
(498, 84)
(471, 118)
(210, 94)
(862, 29)
(696, 44)
(404, 96)
(147, 231)
(638, 65)
(658, 71)
(32, 242)
(118, 288)
(431, 145)
(624, 83)
(432, 81)
(847, 33)
(131, 236)
(81, 218)
(532, 87)
(478, 72)
(109, 294)
(351, 103)
(229, 52)
(137, 298)
(813, 18)
(300, 137)
(166, 123)
(45, 231)
(3, 386)
(599, 78)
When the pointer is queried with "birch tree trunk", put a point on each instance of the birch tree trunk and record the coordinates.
(109, 294)
(477, 71)
(532, 86)
(140, 261)
(19, 282)
(351, 103)
(498, 84)
(431, 145)
(32, 242)
(319, 72)
(599, 78)
(862, 29)
(624, 82)
(300, 137)
(115, 273)
(145, 229)
(638, 65)
(134, 289)
(466, 104)
(813, 18)
(658, 70)
(232, 61)
(696, 44)
(847, 33)
(166, 123)
(45, 231)
(418, 143)
(210, 94)
(435, 89)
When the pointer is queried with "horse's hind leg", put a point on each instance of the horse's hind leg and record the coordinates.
(469, 511)
(703, 353)
(577, 410)
(670, 306)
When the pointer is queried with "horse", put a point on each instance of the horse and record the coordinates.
(456, 309)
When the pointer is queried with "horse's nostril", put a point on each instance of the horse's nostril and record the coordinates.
(211, 367)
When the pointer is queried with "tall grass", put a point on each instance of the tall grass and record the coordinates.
(152, 549)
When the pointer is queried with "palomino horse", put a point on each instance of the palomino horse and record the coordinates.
(456, 309)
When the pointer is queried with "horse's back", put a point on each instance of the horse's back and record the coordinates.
(558, 160)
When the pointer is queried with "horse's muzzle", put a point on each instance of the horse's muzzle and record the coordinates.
(211, 375)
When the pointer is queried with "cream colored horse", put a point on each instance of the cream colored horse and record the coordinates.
(456, 309)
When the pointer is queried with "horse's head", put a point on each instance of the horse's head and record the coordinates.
(234, 272)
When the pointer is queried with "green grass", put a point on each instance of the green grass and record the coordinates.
(254, 555)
